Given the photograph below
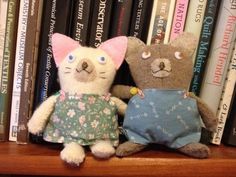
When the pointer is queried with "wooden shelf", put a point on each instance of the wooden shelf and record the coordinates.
(35, 159)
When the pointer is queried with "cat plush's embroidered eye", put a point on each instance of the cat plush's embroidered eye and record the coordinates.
(146, 55)
(101, 60)
(178, 55)
(71, 58)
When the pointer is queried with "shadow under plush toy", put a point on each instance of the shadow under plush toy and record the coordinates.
(82, 113)
(162, 111)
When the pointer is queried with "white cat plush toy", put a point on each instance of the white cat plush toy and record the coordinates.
(82, 113)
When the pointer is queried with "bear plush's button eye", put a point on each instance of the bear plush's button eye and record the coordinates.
(71, 58)
(146, 55)
(178, 55)
(101, 60)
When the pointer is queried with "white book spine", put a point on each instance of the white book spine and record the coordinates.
(226, 100)
(19, 63)
(152, 21)
(169, 21)
(194, 19)
(219, 56)
(3, 17)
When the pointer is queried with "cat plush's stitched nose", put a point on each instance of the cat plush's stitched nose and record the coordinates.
(84, 65)
(85, 71)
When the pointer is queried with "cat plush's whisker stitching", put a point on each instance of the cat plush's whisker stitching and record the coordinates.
(103, 77)
(67, 67)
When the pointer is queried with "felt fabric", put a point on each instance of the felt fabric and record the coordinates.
(116, 49)
(62, 46)
(83, 119)
(165, 117)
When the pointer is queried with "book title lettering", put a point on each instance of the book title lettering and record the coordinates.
(79, 26)
(100, 23)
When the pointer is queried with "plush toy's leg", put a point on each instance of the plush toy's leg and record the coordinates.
(102, 149)
(128, 148)
(73, 153)
(196, 150)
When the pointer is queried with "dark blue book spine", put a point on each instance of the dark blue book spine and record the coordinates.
(120, 18)
(100, 22)
(81, 20)
(55, 18)
(207, 32)
(141, 14)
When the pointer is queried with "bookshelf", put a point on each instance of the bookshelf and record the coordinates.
(33, 159)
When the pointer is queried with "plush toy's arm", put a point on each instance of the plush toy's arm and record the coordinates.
(40, 117)
(121, 105)
(208, 117)
(122, 91)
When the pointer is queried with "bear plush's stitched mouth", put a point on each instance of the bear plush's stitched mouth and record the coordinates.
(161, 73)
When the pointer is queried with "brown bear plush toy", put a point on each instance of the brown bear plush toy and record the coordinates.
(160, 110)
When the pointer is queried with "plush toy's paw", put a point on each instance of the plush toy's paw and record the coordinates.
(73, 154)
(102, 149)
(35, 126)
(128, 148)
(196, 150)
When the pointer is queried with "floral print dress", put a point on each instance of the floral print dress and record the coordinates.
(83, 119)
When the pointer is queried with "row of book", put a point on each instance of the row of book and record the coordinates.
(28, 73)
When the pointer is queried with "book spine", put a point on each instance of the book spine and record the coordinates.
(227, 95)
(120, 18)
(162, 14)
(229, 135)
(100, 22)
(207, 31)
(3, 16)
(141, 17)
(194, 20)
(80, 21)
(181, 8)
(169, 21)
(56, 18)
(7, 70)
(19, 59)
(220, 55)
(31, 32)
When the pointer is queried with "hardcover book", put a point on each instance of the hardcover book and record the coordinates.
(220, 55)
(120, 18)
(3, 16)
(55, 18)
(141, 15)
(229, 135)
(161, 19)
(226, 99)
(181, 8)
(202, 52)
(194, 19)
(8, 70)
(100, 22)
(80, 20)
(32, 32)
(19, 59)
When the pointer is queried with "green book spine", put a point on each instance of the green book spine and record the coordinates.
(8, 67)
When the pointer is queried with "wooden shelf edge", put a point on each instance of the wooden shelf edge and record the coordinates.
(41, 160)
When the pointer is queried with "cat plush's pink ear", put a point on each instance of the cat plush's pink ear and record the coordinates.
(61, 46)
(116, 49)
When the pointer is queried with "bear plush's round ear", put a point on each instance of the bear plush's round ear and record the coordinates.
(61, 46)
(186, 41)
(134, 45)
